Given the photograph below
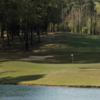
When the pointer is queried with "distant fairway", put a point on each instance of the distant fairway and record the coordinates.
(57, 70)
(68, 42)
(86, 48)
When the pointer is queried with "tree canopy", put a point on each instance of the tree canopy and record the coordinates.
(24, 18)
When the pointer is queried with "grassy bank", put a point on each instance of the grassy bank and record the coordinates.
(52, 74)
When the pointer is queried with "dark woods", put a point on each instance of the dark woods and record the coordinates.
(26, 19)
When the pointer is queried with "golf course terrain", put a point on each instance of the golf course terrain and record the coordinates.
(57, 70)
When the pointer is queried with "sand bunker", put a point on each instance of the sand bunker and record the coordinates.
(33, 58)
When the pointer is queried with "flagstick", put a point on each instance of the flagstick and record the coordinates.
(72, 58)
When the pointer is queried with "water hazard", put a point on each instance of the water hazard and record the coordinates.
(11, 92)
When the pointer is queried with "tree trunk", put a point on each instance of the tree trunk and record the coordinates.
(94, 22)
(78, 23)
(38, 33)
(11, 32)
(22, 38)
(22, 43)
(58, 25)
(47, 25)
(99, 27)
(3, 42)
(91, 24)
(26, 37)
(46, 29)
(12, 36)
(53, 27)
(73, 21)
(31, 36)
(8, 34)
(81, 18)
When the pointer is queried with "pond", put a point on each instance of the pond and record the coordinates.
(12, 92)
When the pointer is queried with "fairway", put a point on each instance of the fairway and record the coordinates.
(59, 69)
(50, 74)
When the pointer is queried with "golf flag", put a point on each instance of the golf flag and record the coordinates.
(72, 55)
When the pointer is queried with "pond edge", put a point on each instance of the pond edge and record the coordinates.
(27, 84)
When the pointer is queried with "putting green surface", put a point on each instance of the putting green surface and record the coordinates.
(51, 74)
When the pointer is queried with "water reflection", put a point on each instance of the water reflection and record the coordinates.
(11, 92)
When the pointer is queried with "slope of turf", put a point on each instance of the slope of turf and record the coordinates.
(67, 42)
(86, 49)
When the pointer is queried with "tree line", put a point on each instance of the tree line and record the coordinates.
(26, 17)
(23, 18)
(83, 16)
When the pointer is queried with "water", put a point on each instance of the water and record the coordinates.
(11, 92)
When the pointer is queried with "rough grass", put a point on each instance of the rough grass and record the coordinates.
(86, 49)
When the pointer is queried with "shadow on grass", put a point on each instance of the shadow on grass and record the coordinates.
(21, 78)
(77, 40)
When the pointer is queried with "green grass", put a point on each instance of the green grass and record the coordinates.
(67, 42)
(86, 48)
(57, 70)
(51, 74)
